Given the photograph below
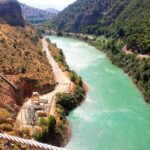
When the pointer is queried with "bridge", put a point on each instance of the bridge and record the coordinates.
(31, 143)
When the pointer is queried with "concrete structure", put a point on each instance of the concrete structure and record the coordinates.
(35, 98)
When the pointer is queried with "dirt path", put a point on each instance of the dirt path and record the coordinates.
(63, 81)
(140, 56)
(63, 85)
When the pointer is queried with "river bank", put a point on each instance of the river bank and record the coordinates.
(130, 63)
(69, 93)
(136, 67)
(114, 106)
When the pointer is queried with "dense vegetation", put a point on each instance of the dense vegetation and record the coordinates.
(124, 22)
(79, 15)
(130, 22)
(70, 101)
(137, 68)
(117, 18)
(55, 129)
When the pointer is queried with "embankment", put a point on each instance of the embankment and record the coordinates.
(69, 93)
(137, 68)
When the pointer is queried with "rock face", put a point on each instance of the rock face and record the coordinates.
(51, 10)
(34, 15)
(10, 12)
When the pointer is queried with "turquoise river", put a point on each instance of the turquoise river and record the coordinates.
(114, 115)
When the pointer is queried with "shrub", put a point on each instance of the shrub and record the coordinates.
(59, 33)
(4, 116)
(43, 122)
(69, 101)
(48, 127)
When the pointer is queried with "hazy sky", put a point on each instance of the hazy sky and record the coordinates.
(57, 4)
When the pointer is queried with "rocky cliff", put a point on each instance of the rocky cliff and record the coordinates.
(10, 12)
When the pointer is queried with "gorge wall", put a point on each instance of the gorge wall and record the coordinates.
(10, 12)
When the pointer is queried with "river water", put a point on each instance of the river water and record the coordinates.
(114, 115)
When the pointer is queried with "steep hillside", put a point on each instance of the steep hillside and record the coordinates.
(35, 15)
(22, 56)
(123, 22)
(117, 18)
(79, 15)
(10, 12)
(130, 22)
(24, 64)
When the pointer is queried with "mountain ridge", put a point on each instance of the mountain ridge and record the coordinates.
(125, 28)
(113, 18)
(52, 10)
(36, 15)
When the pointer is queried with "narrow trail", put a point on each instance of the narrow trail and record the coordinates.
(63, 85)
(129, 52)
(60, 77)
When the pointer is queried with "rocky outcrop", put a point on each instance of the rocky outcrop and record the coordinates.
(10, 13)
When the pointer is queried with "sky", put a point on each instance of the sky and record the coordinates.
(57, 4)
